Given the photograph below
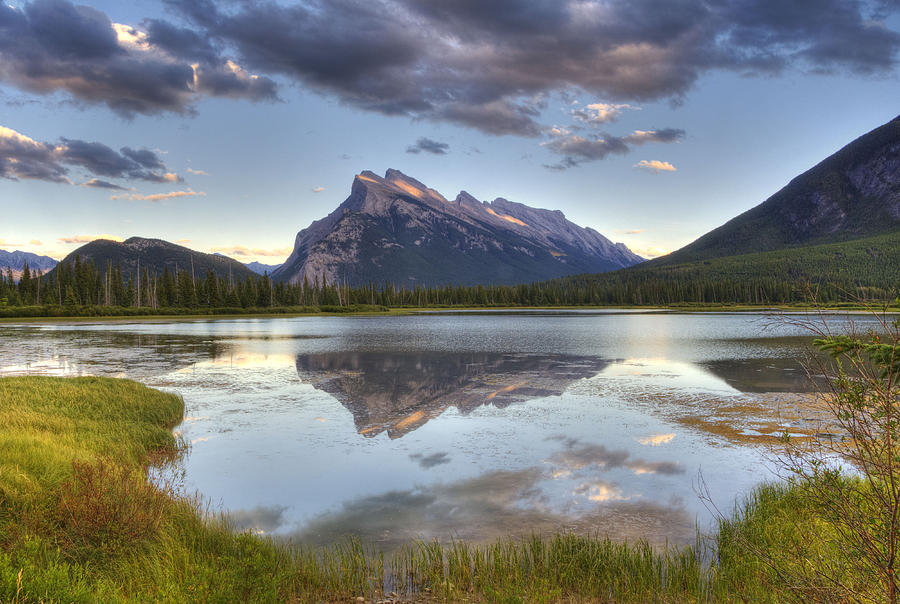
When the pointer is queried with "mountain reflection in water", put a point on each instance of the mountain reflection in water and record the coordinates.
(398, 392)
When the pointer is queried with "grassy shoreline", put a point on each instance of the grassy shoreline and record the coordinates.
(81, 522)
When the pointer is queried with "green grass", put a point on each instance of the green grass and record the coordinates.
(80, 522)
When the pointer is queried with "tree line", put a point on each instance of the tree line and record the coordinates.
(79, 284)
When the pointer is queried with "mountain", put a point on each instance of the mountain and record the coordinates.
(398, 392)
(155, 255)
(832, 232)
(15, 262)
(395, 229)
(852, 194)
(260, 269)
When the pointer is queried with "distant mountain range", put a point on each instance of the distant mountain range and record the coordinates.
(396, 229)
(156, 255)
(257, 267)
(15, 262)
(260, 269)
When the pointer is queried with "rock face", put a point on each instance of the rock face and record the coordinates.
(852, 194)
(395, 229)
(155, 255)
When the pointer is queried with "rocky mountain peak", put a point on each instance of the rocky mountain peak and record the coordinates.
(396, 228)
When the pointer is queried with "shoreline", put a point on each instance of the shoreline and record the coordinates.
(430, 310)
(114, 535)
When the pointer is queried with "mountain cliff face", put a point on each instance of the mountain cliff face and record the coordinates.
(155, 255)
(852, 194)
(398, 230)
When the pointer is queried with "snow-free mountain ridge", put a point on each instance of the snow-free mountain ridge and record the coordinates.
(396, 229)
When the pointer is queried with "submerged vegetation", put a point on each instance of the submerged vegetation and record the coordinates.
(81, 521)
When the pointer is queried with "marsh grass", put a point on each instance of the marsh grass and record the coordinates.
(81, 522)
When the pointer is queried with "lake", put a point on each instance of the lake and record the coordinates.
(459, 425)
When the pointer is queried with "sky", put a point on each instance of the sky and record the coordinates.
(229, 125)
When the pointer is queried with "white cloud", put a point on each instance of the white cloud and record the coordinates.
(197, 172)
(601, 113)
(655, 166)
(160, 196)
(240, 250)
(649, 251)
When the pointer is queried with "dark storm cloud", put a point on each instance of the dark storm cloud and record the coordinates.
(96, 183)
(53, 45)
(577, 149)
(180, 41)
(144, 157)
(474, 63)
(24, 158)
(828, 35)
(99, 159)
(427, 145)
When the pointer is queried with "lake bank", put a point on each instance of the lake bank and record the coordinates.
(102, 313)
(80, 522)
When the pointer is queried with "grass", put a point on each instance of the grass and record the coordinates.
(80, 522)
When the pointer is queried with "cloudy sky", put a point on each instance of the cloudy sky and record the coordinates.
(229, 125)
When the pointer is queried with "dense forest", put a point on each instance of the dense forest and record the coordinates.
(833, 273)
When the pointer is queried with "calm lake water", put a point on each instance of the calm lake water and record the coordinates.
(470, 426)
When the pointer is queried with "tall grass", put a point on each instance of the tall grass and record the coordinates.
(80, 522)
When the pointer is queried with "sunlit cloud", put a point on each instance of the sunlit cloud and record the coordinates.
(318, 189)
(96, 183)
(160, 196)
(240, 250)
(577, 149)
(182, 241)
(89, 238)
(196, 172)
(629, 231)
(655, 166)
(59, 47)
(601, 113)
(35, 242)
(22, 157)
(649, 251)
